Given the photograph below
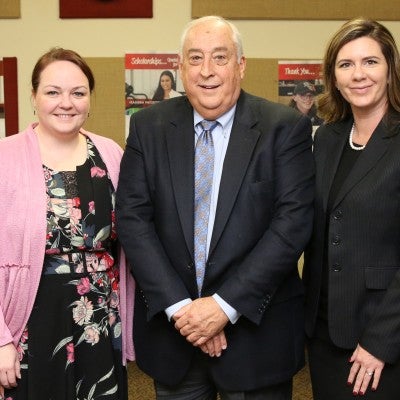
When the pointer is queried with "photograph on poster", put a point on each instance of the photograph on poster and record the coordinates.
(150, 78)
(300, 82)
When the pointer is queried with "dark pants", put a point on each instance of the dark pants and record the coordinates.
(198, 385)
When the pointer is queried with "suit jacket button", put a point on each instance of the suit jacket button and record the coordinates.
(336, 267)
(336, 240)
(338, 214)
(190, 265)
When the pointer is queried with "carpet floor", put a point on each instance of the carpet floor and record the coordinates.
(141, 385)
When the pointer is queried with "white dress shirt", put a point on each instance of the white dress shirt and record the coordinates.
(221, 134)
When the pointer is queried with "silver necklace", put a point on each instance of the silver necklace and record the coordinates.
(351, 140)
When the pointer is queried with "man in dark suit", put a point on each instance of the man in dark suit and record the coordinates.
(233, 324)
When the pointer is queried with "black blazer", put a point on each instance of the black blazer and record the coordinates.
(263, 221)
(363, 243)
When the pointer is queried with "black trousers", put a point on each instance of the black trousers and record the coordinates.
(198, 385)
(330, 367)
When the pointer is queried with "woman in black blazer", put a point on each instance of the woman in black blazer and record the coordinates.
(352, 265)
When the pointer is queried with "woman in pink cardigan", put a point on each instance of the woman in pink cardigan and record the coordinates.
(66, 295)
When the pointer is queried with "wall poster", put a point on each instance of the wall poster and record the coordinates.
(150, 78)
(300, 82)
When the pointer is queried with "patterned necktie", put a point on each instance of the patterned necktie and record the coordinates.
(203, 176)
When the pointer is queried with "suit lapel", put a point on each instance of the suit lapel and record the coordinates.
(242, 141)
(334, 152)
(374, 151)
(180, 147)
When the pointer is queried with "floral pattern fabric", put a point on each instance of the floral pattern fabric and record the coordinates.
(71, 347)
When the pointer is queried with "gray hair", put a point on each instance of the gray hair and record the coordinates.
(236, 36)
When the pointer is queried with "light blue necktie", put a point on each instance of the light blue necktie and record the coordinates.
(203, 177)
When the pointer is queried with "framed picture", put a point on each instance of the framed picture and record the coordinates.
(106, 9)
(8, 96)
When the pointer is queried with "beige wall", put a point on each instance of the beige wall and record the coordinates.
(40, 28)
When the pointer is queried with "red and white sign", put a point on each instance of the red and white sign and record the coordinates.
(151, 61)
(300, 70)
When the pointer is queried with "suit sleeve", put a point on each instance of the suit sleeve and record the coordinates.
(381, 337)
(268, 273)
(158, 282)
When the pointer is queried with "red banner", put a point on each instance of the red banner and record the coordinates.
(151, 61)
(300, 71)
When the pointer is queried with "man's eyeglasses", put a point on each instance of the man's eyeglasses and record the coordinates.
(219, 59)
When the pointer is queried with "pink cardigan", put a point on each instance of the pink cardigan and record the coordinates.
(23, 234)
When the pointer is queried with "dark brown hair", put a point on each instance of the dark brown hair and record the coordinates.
(332, 106)
(159, 93)
(60, 54)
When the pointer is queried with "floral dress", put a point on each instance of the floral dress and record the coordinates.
(71, 347)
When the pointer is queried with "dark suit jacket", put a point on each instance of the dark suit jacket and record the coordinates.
(363, 243)
(263, 221)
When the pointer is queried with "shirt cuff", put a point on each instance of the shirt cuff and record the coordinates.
(171, 310)
(230, 312)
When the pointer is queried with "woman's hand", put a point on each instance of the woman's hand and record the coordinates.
(365, 368)
(9, 367)
(214, 346)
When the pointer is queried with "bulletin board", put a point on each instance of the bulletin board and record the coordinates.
(261, 78)
(387, 10)
(108, 103)
(10, 9)
(106, 116)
